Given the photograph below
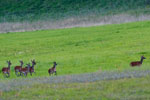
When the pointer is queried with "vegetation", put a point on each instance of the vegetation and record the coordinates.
(18, 10)
(78, 50)
(126, 89)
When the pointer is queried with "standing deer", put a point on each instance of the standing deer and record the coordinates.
(53, 69)
(6, 70)
(32, 67)
(18, 68)
(137, 63)
(24, 71)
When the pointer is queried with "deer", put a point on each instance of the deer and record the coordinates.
(137, 63)
(24, 71)
(53, 69)
(31, 70)
(18, 68)
(6, 70)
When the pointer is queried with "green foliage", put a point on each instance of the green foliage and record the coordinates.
(78, 50)
(56, 9)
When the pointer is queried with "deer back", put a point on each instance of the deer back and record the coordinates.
(138, 63)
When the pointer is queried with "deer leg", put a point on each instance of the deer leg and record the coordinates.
(50, 73)
(31, 73)
(17, 73)
(25, 74)
(8, 74)
(55, 73)
(4, 75)
(20, 73)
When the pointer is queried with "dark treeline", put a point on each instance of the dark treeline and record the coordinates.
(63, 6)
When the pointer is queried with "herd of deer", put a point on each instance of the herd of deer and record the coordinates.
(20, 71)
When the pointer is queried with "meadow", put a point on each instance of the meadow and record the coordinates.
(78, 50)
(122, 89)
(97, 49)
(93, 62)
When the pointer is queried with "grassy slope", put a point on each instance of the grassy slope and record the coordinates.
(78, 50)
(126, 89)
(56, 9)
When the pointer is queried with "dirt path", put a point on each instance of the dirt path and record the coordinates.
(8, 85)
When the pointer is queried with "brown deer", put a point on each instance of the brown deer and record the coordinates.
(137, 63)
(6, 70)
(24, 71)
(53, 69)
(18, 68)
(31, 70)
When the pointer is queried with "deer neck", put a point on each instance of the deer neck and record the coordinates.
(141, 60)
(8, 66)
(21, 65)
(32, 66)
(54, 66)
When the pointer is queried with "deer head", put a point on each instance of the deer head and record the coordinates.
(55, 63)
(142, 57)
(9, 63)
(33, 62)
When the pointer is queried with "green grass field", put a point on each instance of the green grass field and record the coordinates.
(103, 53)
(78, 50)
(123, 89)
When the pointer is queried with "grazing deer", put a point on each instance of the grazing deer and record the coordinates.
(18, 68)
(53, 69)
(31, 70)
(6, 70)
(137, 63)
(24, 71)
